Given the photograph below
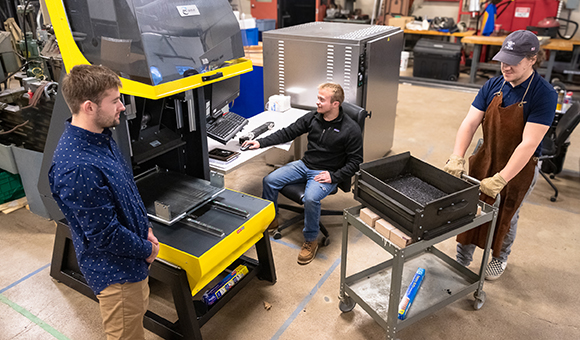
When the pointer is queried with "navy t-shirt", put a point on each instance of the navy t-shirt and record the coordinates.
(540, 101)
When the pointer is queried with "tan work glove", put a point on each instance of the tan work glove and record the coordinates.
(492, 186)
(455, 166)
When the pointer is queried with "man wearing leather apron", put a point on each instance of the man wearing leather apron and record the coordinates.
(515, 111)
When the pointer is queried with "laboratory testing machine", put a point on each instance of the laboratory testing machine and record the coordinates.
(172, 57)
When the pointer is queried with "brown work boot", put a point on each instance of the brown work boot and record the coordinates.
(273, 225)
(308, 252)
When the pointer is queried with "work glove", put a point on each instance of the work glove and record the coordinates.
(455, 166)
(492, 186)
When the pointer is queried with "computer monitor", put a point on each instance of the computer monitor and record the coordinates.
(222, 93)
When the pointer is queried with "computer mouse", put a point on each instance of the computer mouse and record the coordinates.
(244, 147)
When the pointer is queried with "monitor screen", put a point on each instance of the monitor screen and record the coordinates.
(223, 93)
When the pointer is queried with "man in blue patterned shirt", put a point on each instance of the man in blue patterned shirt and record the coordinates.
(94, 188)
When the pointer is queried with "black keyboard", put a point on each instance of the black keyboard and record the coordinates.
(226, 127)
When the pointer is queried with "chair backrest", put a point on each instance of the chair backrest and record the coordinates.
(567, 124)
(359, 115)
(356, 113)
(295, 192)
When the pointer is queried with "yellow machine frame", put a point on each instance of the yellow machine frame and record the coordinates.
(202, 270)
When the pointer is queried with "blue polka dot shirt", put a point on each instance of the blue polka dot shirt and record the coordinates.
(94, 188)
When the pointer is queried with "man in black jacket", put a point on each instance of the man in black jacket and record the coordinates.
(333, 155)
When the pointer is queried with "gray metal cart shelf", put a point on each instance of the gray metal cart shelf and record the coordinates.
(445, 280)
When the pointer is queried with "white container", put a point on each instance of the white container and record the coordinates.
(404, 60)
(247, 23)
(278, 103)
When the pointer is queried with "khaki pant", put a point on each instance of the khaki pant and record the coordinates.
(122, 309)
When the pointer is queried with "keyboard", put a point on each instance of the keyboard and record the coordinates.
(226, 127)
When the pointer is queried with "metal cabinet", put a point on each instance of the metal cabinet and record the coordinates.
(363, 59)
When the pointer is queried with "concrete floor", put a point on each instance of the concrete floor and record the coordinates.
(537, 297)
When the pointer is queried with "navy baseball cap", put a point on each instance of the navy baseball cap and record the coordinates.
(516, 46)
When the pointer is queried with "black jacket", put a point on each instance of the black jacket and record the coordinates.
(335, 146)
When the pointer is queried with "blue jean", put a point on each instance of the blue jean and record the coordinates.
(297, 172)
(465, 251)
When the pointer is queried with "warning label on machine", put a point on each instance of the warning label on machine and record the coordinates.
(522, 12)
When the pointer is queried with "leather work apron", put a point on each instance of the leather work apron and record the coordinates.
(503, 128)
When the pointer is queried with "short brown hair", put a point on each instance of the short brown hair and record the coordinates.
(540, 58)
(88, 82)
(336, 89)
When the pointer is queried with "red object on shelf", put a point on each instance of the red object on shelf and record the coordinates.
(520, 14)
(548, 22)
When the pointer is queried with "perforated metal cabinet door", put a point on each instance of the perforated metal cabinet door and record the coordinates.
(383, 57)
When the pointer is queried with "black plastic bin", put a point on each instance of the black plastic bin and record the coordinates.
(422, 199)
(436, 59)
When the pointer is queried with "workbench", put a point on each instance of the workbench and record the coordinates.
(554, 45)
(456, 36)
(255, 54)
(459, 35)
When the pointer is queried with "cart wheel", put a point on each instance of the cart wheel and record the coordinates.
(479, 300)
(277, 235)
(452, 77)
(553, 199)
(347, 305)
(325, 241)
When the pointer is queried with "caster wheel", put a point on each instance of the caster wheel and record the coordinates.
(452, 77)
(277, 235)
(325, 241)
(347, 305)
(553, 199)
(479, 300)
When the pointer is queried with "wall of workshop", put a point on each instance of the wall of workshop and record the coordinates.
(574, 16)
(428, 8)
(366, 6)
(245, 6)
(431, 9)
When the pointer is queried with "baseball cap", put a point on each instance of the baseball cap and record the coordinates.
(516, 46)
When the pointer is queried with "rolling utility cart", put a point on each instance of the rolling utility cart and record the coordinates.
(379, 289)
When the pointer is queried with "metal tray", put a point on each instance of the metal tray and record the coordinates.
(424, 200)
(169, 196)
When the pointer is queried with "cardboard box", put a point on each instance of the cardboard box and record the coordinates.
(384, 228)
(399, 238)
(400, 21)
(368, 217)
